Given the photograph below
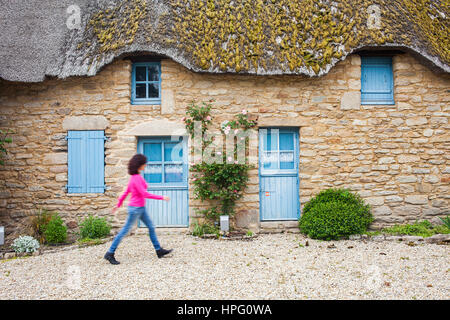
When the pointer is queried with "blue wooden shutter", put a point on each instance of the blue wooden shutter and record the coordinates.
(75, 161)
(86, 161)
(377, 81)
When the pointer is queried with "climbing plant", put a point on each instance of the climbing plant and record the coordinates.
(223, 182)
(4, 139)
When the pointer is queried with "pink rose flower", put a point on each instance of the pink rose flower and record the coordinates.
(183, 119)
(244, 112)
(208, 118)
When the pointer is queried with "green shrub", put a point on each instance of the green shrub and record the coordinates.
(38, 223)
(56, 230)
(333, 195)
(333, 214)
(94, 228)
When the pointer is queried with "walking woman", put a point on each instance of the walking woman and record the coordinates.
(136, 207)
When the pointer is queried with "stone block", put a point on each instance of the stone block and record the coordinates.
(85, 123)
(167, 101)
(245, 218)
(55, 158)
(416, 121)
(407, 210)
(416, 199)
(382, 211)
(438, 238)
(351, 100)
(407, 158)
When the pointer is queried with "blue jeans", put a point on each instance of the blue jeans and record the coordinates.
(135, 213)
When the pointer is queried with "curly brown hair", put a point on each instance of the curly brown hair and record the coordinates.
(135, 163)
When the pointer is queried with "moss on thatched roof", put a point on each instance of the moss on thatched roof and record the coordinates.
(255, 36)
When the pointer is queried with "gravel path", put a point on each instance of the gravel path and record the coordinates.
(269, 267)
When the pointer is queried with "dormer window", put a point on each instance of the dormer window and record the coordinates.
(377, 80)
(146, 83)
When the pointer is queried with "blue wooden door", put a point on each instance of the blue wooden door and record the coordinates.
(166, 174)
(278, 174)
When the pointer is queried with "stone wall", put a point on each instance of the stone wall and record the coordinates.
(396, 157)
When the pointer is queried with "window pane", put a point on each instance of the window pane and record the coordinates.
(270, 140)
(173, 173)
(173, 151)
(153, 173)
(286, 160)
(153, 73)
(286, 141)
(153, 90)
(140, 73)
(153, 151)
(141, 90)
(270, 160)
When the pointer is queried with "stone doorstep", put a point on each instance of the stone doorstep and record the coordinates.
(279, 224)
(279, 230)
(164, 231)
(290, 226)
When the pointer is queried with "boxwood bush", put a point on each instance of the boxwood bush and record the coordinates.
(94, 228)
(333, 214)
(55, 231)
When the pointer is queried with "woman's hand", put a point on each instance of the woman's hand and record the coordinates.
(166, 198)
(114, 210)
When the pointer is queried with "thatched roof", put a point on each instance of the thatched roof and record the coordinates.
(245, 36)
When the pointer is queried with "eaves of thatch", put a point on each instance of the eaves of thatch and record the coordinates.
(44, 38)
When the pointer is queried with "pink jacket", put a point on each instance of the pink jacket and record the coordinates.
(138, 188)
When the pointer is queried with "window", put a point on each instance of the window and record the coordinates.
(146, 83)
(377, 80)
(86, 162)
(166, 163)
(278, 150)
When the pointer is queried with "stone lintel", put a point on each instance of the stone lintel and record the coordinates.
(85, 123)
(158, 127)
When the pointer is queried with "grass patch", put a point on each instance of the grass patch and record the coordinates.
(201, 229)
(423, 229)
(90, 242)
(373, 233)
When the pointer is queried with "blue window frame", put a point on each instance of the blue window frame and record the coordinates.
(166, 161)
(86, 161)
(279, 151)
(146, 83)
(377, 80)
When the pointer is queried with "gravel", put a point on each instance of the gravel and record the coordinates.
(273, 266)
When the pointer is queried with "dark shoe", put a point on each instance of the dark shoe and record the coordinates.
(110, 257)
(162, 252)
